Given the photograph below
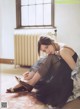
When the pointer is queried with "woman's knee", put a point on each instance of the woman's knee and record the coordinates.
(52, 58)
(49, 57)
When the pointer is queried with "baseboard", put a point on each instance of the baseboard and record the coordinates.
(6, 61)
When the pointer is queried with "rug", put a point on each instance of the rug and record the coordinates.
(20, 101)
(28, 101)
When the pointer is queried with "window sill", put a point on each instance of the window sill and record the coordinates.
(37, 27)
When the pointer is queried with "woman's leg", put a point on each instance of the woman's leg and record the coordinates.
(35, 79)
(27, 76)
(34, 68)
(43, 69)
(28, 85)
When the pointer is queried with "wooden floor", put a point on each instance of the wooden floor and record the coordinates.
(22, 100)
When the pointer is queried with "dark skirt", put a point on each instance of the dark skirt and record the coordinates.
(56, 85)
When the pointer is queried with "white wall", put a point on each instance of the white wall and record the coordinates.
(68, 24)
(0, 30)
(7, 23)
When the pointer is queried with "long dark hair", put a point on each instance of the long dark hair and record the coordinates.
(44, 40)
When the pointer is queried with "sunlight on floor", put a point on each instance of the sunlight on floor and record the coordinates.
(8, 73)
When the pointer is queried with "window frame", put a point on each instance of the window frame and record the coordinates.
(18, 17)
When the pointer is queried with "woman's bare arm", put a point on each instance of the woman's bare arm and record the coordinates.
(67, 56)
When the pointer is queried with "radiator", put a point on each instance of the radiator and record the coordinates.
(26, 49)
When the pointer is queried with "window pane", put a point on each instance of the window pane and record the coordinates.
(39, 14)
(31, 1)
(35, 12)
(47, 1)
(32, 15)
(47, 14)
(24, 15)
(24, 2)
(39, 1)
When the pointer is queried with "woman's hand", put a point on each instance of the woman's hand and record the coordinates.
(28, 75)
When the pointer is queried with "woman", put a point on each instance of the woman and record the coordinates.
(53, 73)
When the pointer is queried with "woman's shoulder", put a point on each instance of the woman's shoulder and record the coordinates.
(64, 47)
(65, 50)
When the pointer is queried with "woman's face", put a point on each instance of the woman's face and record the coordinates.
(48, 49)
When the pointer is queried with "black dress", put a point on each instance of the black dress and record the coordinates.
(56, 85)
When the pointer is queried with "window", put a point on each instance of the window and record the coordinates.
(34, 13)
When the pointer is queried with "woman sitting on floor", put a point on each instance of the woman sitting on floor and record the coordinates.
(52, 74)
